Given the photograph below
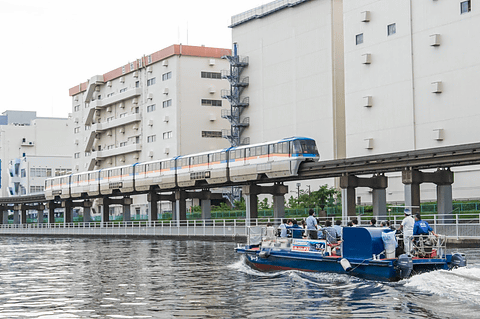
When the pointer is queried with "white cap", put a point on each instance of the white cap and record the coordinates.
(407, 211)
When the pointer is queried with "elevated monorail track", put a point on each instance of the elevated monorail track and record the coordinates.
(433, 158)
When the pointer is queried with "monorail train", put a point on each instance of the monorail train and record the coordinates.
(236, 164)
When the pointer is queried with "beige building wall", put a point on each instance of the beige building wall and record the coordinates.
(419, 88)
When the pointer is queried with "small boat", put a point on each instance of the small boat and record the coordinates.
(365, 252)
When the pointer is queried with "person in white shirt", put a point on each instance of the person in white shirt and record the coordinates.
(407, 227)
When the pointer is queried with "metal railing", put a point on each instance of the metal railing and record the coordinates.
(448, 225)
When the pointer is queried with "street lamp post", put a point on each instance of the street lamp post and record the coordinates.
(298, 190)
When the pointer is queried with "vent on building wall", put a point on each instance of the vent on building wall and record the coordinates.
(166, 150)
(135, 100)
(366, 58)
(135, 74)
(76, 98)
(438, 134)
(136, 156)
(150, 154)
(121, 105)
(368, 143)
(122, 79)
(211, 89)
(109, 109)
(437, 87)
(122, 159)
(150, 122)
(150, 96)
(122, 130)
(109, 133)
(166, 119)
(367, 101)
(76, 142)
(435, 40)
(211, 62)
(165, 91)
(135, 127)
(150, 69)
(165, 62)
(365, 16)
(109, 83)
(97, 88)
(213, 117)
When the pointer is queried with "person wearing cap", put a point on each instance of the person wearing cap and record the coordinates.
(407, 227)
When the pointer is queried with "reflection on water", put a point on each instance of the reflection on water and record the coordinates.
(100, 278)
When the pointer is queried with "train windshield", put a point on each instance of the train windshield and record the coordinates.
(305, 147)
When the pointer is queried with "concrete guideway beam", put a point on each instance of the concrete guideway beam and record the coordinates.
(378, 183)
(442, 178)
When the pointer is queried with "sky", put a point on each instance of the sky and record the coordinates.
(49, 46)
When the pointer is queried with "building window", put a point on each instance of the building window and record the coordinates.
(211, 75)
(109, 119)
(110, 147)
(36, 189)
(167, 103)
(76, 130)
(110, 94)
(87, 154)
(151, 81)
(122, 115)
(214, 134)
(123, 90)
(88, 127)
(122, 144)
(137, 84)
(166, 76)
(99, 97)
(150, 108)
(23, 173)
(167, 135)
(76, 155)
(211, 102)
(391, 29)
(131, 66)
(123, 69)
(137, 110)
(359, 39)
(76, 108)
(149, 59)
(151, 138)
(465, 6)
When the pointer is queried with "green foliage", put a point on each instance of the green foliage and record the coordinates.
(263, 205)
(196, 209)
(240, 204)
(324, 196)
(221, 208)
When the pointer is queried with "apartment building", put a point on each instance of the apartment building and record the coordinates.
(158, 106)
(31, 149)
(364, 77)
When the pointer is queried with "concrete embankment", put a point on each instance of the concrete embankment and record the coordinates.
(463, 242)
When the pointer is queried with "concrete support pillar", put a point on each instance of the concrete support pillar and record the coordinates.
(350, 204)
(5, 217)
(278, 208)
(51, 212)
(16, 216)
(180, 207)
(127, 202)
(105, 210)
(24, 214)
(445, 204)
(152, 199)
(87, 211)
(40, 216)
(3, 212)
(251, 202)
(412, 179)
(67, 211)
(206, 209)
(379, 197)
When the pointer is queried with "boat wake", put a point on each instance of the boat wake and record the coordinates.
(458, 284)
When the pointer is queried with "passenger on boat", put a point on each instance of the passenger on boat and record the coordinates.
(283, 228)
(297, 231)
(329, 233)
(312, 225)
(319, 230)
(422, 227)
(373, 222)
(338, 228)
(354, 222)
(350, 224)
(407, 227)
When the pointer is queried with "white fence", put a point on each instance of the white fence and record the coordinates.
(450, 226)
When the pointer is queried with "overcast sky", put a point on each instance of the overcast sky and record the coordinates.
(49, 46)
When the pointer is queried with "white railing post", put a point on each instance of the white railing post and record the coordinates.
(435, 223)
(456, 219)
(225, 228)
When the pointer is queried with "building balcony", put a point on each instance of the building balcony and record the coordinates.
(99, 104)
(131, 118)
(100, 155)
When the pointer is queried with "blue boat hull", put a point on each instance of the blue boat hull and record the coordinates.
(383, 270)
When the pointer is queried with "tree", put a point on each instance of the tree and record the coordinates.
(324, 196)
(263, 204)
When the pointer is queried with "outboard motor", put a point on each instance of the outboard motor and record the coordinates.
(264, 253)
(458, 260)
(405, 265)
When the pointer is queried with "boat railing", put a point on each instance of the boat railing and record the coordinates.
(426, 246)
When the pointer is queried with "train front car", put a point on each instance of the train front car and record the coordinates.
(52, 188)
(273, 159)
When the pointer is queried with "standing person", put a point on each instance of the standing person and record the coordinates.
(312, 225)
(407, 227)
(283, 228)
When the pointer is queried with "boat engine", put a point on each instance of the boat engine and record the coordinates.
(458, 260)
(264, 253)
(405, 265)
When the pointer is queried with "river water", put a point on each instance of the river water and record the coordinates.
(123, 278)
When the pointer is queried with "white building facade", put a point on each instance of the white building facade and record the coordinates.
(364, 77)
(32, 149)
(159, 106)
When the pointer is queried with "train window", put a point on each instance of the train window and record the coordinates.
(223, 156)
(232, 155)
(265, 150)
(258, 150)
(251, 151)
(239, 154)
(285, 148)
(205, 159)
